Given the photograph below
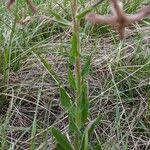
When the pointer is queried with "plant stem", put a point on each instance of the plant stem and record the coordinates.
(76, 28)
(78, 77)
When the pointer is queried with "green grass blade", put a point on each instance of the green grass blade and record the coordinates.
(91, 126)
(3, 127)
(84, 143)
(84, 12)
(88, 131)
(34, 124)
(60, 19)
(87, 10)
(86, 138)
(48, 67)
(61, 139)
(98, 147)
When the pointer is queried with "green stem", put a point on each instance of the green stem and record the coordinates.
(78, 77)
(76, 28)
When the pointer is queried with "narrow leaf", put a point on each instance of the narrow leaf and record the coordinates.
(61, 139)
(34, 124)
(88, 130)
(71, 79)
(87, 10)
(65, 99)
(59, 147)
(91, 126)
(72, 125)
(84, 142)
(86, 67)
(63, 22)
(60, 19)
(48, 67)
(98, 147)
(84, 12)
(86, 138)
(84, 104)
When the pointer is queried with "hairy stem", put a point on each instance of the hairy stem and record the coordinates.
(76, 28)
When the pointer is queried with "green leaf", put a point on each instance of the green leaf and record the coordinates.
(91, 126)
(59, 147)
(60, 19)
(88, 131)
(84, 12)
(65, 99)
(84, 104)
(74, 49)
(86, 138)
(86, 67)
(98, 147)
(34, 123)
(48, 67)
(72, 125)
(4, 61)
(87, 10)
(61, 139)
(71, 79)
(84, 142)
(71, 59)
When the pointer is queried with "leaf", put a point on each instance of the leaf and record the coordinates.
(60, 19)
(34, 123)
(84, 12)
(87, 132)
(48, 67)
(71, 59)
(84, 104)
(91, 126)
(74, 49)
(84, 142)
(72, 125)
(87, 10)
(86, 67)
(59, 147)
(86, 138)
(65, 99)
(71, 79)
(56, 15)
(61, 139)
(98, 147)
